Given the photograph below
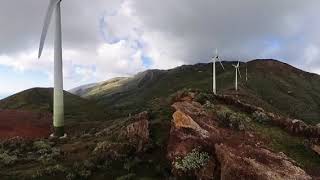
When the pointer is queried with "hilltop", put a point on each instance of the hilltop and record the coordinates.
(41, 100)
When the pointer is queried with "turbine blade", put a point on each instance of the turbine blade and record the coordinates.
(238, 64)
(47, 20)
(239, 72)
(221, 63)
(216, 51)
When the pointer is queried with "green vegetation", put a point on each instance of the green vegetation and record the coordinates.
(7, 159)
(229, 118)
(293, 146)
(260, 117)
(192, 161)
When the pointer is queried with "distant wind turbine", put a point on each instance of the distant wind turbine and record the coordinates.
(237, 71)
(246, 71)
(58, 104)
(214, 59)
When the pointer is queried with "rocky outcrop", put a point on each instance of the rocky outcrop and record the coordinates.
(182, 120)
(293, 126)
(247, 162)
(138, 132)
(199, 147)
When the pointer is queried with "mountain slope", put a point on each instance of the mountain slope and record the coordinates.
(271, 84)
(41, 100)
(188, 143)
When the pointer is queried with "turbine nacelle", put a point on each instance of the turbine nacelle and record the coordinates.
(237, 68)
(217, 58)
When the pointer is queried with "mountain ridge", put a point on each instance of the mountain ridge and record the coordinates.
(272, 84)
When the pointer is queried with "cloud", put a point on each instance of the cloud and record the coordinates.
(104, 39)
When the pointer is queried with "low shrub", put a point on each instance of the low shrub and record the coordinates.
(7, 159)
(193, 160)
(127, 177)
(231, 119)
(260, 117)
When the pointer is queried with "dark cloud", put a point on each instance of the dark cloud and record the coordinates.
(170, 32)
(246, 28)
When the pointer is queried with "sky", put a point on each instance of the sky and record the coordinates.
(103, 39)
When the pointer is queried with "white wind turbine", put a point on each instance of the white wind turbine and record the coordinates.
(58, 104)
(237, 71)
(214, 59)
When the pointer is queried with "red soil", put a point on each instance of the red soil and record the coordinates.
(25, 124)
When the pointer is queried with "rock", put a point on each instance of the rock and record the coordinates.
(207, 172)
(233, 154)
(297, 126)
(316, 148)
(138, 131)
(102, 146)
(246, 162)
(184, 95)
(181, 120)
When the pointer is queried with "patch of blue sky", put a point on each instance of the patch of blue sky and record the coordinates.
(34, 75)
(12, 80)
(147, 61)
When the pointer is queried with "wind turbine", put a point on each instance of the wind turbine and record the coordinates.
(58, 104)
(246, 71)
(237, 71)
(214, 59)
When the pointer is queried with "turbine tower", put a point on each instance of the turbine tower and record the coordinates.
(214, 59)
(246, 71)
(237, 71)
(58, 104)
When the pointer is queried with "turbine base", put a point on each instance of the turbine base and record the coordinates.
(58, 132)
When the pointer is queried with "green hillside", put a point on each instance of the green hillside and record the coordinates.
(41, 99)
(271, 84)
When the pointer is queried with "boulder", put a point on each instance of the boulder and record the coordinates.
(182, 120)
(247, 162)
(138, 132)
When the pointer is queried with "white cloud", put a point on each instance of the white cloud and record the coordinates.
(103, 39)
